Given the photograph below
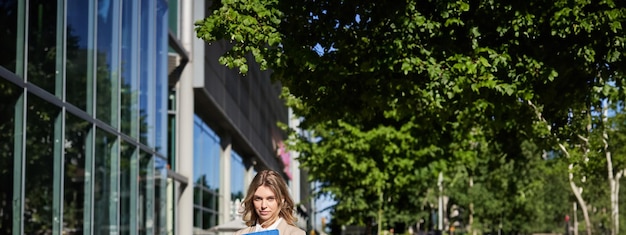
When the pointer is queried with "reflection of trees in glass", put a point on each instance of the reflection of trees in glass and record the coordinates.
(76, 73)
(42, 67)
(77, 56)
(39, 162)
(202, 181)
(76, 131)
(236, 195)
(8, 30)
(37, 218)
(104, 191)
(207, 199)
(126, 182)
(42, 51)
(146, 194)
(160, 192)
(8, 95)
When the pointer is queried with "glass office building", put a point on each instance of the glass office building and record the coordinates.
(97, 134)
(83, 129)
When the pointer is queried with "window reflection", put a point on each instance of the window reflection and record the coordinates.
(42, 32)
(39, 171)
(8, 96)
(237, 172)
(78, 53)
(206, 175)
(146, 194)
(206, 155)
(147, 73)
(76, 131)
(128, 187)
(98, 180)
(197, 217)
(208, 199)
(129, 65)
(105, 184)
(160, 200)
(161, 75)
(8, 41)
(106, 60)
(207, 218)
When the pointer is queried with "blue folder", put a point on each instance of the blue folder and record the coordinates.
(265, 232)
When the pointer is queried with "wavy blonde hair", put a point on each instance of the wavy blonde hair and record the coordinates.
(277, 184)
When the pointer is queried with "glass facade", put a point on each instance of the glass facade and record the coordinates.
(206, 175)
(237, 187)
(237, 180)
(43, 42)
(10, 136)
(83, 116)
(88, 117)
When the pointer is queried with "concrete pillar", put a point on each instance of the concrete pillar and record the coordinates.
(225, 181)
(295, 178)
(294, 122)
(185, 104)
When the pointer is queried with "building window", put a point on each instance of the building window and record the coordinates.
(105, 190)
(39, 166)
(206, 175)
(9, 94)
(8, 24)
(79, 50)
(147, 87)
(128, 187)
(107, 61)
(70, 117)
(129, 88)
(42, 44)
(237, 187)
(161, 71)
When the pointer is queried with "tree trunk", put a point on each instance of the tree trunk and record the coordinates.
(613, 179)
(583, 205)
(577, 193)
(575, 189)
(615, 203)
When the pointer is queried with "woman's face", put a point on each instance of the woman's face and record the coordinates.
(265, 204)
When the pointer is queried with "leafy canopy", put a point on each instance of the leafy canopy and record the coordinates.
(396, 91)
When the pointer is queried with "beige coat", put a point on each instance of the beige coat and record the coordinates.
(283, 229)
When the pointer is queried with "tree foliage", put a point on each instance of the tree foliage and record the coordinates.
(396, 92)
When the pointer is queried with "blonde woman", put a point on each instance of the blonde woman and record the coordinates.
(269, 206)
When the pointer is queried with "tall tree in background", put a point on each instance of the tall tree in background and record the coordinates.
(617, 148)
(610, 111)
(393, 90)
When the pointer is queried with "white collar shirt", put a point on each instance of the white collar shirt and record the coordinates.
(273, 226)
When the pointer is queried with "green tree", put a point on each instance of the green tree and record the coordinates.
(394, 91)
